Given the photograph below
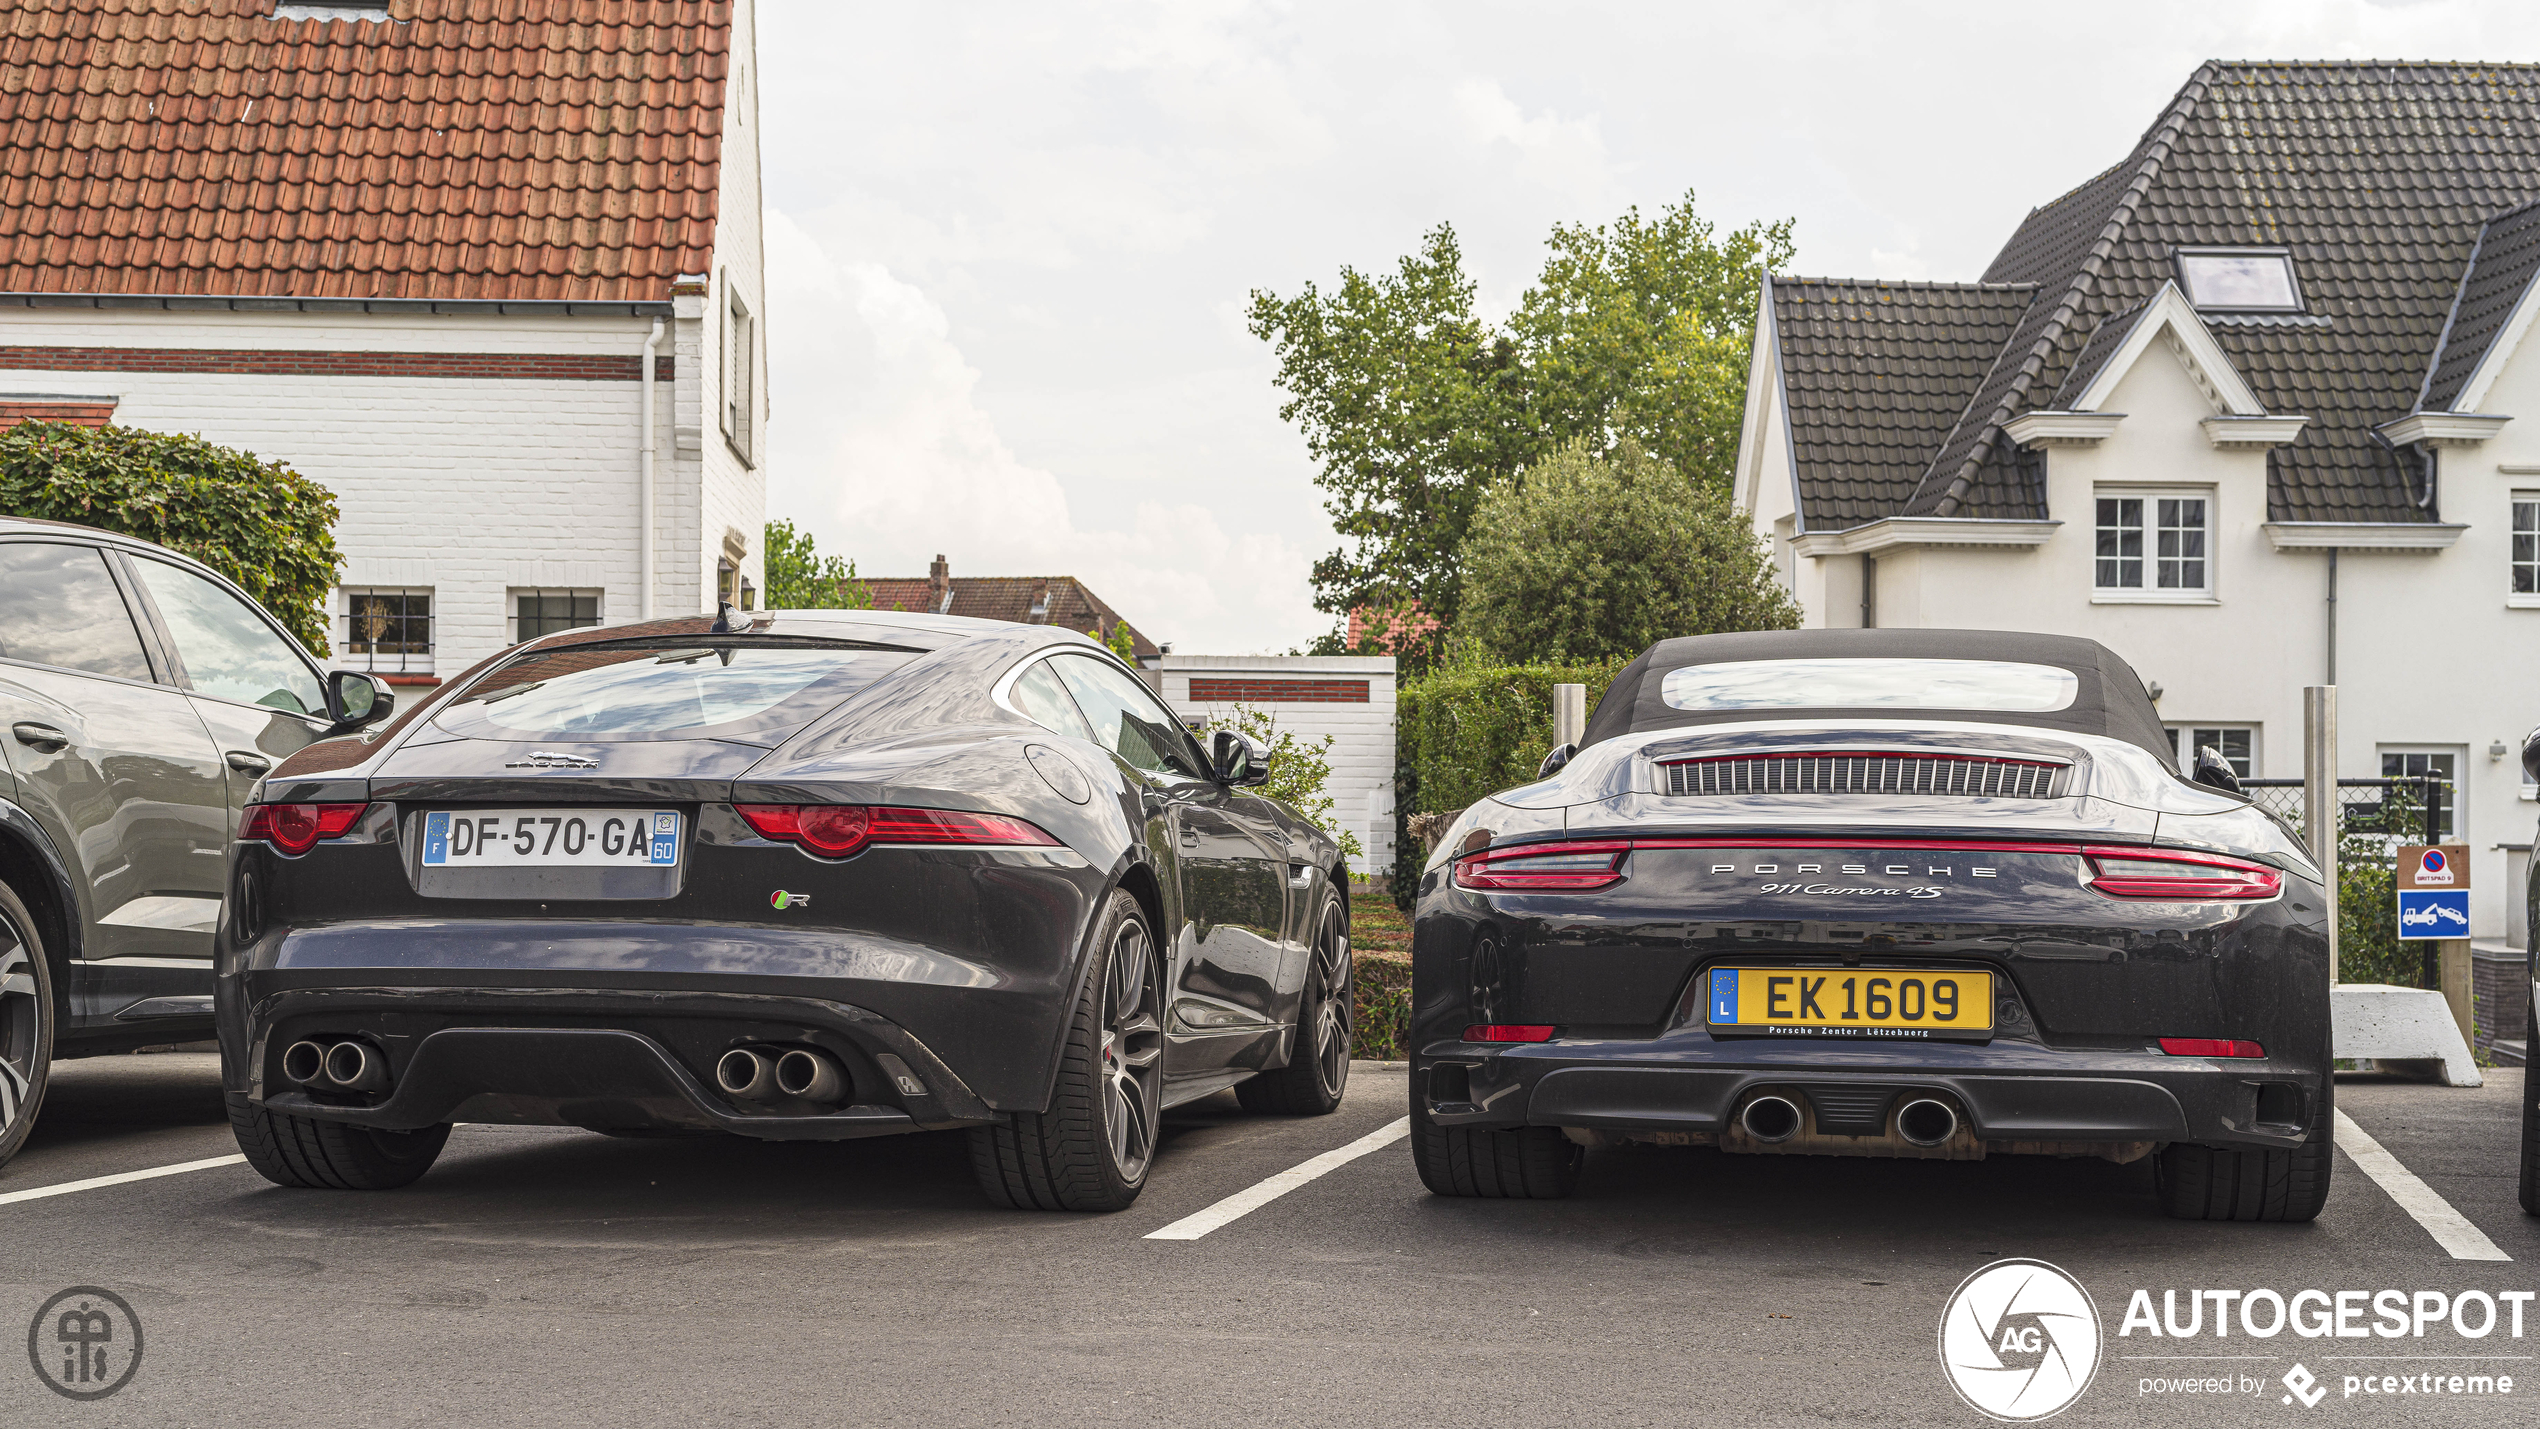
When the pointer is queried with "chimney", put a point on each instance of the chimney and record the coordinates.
(939, 586)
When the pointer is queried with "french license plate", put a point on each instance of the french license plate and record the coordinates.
(1850, 1002)
(551, 838)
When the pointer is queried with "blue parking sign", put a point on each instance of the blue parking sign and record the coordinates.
(2433, 913)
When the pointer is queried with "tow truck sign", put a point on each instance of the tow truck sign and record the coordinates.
(2433, 885)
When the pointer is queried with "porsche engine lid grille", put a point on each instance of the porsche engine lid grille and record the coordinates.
(1866, 774)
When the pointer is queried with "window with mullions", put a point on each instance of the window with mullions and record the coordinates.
(544, 612)
(388, 629)
(2238, 745)
(2526, 543)
(2154, 544)
(2409, 764)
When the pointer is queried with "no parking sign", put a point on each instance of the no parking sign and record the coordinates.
(2433, 884)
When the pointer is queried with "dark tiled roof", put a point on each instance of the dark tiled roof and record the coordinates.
(2103, 344)
(1877, 373)
(2378, 177)
(1063, 600)
(462, 149)
(2507, 257)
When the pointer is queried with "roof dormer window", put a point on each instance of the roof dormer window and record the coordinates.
(2239, 280)
(331, 10)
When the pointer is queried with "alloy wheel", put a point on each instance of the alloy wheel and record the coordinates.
(1132, 1053)
(22, 1016)
(1333, 1014)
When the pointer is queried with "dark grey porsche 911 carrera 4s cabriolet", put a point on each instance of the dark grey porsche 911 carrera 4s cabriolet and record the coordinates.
(808, 875)
(1909, 893)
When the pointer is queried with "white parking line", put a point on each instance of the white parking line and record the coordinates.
(95, 1182)
(2450, 1229)
(1253, 1198)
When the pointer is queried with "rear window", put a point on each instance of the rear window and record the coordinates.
(682, 689)
(1847, 684)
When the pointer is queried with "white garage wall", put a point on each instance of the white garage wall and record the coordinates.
(1362, 733)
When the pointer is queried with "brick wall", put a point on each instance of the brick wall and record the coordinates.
(2500, 997)
(70, 411)
(1263, 692)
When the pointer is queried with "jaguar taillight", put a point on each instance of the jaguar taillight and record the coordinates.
(1545, 868)
(2178, 876)
(837, 830)
(297, 828)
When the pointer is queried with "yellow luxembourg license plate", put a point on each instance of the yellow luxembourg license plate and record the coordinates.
(1850, 1002)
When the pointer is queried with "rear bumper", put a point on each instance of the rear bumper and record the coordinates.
(2013, 1097)
(607, 1059)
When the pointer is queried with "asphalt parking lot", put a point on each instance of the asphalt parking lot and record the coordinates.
(545, 1276)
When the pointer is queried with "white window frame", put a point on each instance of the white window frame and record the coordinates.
(2183, 743)
(376, 664)
(740, 374)
(2459, 755)
(2514, 515)
(511, 608)
(2183, 259)
(2149, 593)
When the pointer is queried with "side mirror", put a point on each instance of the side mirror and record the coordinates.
(2531, 754)
(1238, 759)
(354, 699)
(2215, 771)
(1560, 756)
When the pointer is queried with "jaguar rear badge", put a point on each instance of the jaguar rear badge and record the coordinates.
(549, 759)
(781, 900)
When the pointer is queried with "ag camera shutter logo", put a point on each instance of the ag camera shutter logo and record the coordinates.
(2020, 1340)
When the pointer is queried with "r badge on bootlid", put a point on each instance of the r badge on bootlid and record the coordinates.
(782, 900)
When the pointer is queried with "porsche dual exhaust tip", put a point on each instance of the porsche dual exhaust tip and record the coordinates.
(345, 1066)
(1925, 1122)
(1770, 1120)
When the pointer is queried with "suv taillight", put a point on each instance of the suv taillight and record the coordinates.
(296, 828)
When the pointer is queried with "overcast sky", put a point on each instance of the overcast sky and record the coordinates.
(1009, 245)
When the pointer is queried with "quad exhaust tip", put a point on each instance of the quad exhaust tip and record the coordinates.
(811, 1076)
(1770, 1120)
(746, 1073)
(304, 1062)
(766, 1074)
(1926, 1122)
(351, 1067)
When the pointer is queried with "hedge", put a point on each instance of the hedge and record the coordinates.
(260, 523)
(1466, 732)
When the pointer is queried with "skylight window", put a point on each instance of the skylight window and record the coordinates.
(2240, 280)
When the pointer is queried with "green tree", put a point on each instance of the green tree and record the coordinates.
(1298, 771)
(1414, 407)
(1586, 558)
(1411, 405)
(1642, 330)
(800, 578)
(1121, 643)
(263, 525)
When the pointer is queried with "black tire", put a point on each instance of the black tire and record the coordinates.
(2530, 1115)
(1317, 1073)
(1527, 1163)
(2240, 1183)
(1092, 1149)
(306, 1152)
(26, 1023)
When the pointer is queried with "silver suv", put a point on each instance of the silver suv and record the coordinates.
(143, 695)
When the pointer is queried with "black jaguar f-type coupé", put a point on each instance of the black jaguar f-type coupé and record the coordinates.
(809, 875)
(1901, 893)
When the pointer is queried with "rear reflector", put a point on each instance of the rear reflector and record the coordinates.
(1506, 1032)
(296, 828)
(837, 830)
(2210, 1047)
(2177, 877)
(1545, 868)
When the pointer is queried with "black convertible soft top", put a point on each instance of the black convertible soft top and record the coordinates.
(2110, 701)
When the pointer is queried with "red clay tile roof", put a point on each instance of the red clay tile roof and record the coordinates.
(527, 150)
(1070, 606)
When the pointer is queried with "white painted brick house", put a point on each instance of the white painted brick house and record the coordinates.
(419, 250)
(1349, 698)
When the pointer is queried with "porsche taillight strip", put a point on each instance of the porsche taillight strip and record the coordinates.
(2133, 872)
(1866, 772)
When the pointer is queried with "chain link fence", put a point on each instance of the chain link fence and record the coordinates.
(2374, 817)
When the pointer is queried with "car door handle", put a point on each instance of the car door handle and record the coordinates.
(40, 736)
(246, 762)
